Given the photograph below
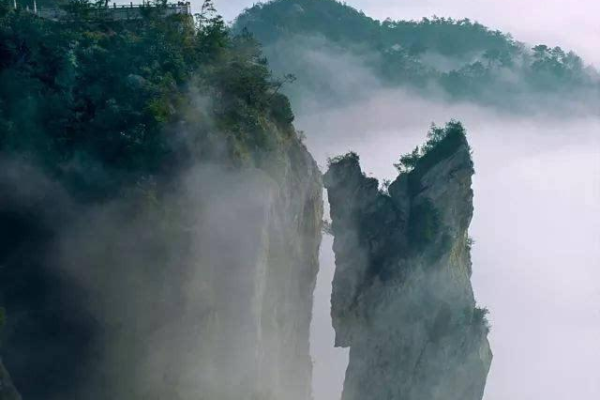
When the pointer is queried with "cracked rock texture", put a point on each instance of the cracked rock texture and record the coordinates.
(402, 298)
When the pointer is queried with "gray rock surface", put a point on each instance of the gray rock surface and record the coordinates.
(402, 299)
(200, 292)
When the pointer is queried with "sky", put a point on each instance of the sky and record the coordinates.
(572, 24)
(536, 227)
(537, 204)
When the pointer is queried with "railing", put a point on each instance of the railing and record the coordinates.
(117, 11)
(168, 5)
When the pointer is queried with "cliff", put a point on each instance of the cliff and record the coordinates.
(159, 215)
(205, 288)
(402, 299)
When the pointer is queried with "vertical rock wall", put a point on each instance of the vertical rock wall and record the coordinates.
(198, 290)
(402, 299)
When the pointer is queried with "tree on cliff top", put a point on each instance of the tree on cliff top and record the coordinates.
(436, 137)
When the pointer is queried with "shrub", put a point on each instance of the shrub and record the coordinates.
(470, 243)
(281, 110)
(440, 141)
(350, 156)
(480, 319)
(409, 161)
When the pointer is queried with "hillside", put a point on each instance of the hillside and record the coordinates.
(441, 57)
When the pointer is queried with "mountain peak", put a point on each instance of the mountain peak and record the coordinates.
(402, 298)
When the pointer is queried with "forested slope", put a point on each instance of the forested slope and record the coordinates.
(440, 57)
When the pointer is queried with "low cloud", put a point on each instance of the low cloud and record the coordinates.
(536, 227)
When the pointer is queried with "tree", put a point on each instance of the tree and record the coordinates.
(409, 161)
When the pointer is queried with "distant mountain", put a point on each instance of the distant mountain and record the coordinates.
(458, 59)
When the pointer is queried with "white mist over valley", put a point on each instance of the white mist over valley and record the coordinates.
(200, 201)
(536, 231)
(537, 198)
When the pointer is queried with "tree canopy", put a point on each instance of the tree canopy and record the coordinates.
(463, 58)
(99, 103)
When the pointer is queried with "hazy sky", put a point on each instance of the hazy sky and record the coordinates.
(573, 24)
(536, 257)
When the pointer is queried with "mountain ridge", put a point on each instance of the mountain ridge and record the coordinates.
(439, 57)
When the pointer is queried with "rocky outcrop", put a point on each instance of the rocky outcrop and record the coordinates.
(264, 339)
(199, 289)
(402, 298)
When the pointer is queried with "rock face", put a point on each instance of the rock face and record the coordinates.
(261, 341)
(402, 298)
(201, 290)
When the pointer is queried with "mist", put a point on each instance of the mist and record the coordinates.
(140, 268)
(559, 22)
(536, 224)
(161, 292)
(160, 280)
(537, 195)
(536, 227)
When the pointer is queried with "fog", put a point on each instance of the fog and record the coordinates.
(158, 278)
(566, 23)
(537, 202)
(137, 280)
(536, 227)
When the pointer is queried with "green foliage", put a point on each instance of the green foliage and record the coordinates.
(424, 225)
(101, 103)
(476, 319)
(440, 141)
(480, 320)
(282, 109)
(409, 161)
(464, 58)
(269, 21)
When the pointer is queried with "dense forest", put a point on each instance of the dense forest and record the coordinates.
(461, 58)
(130, 98)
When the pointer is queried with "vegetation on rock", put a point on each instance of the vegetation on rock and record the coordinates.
(102, 103)
(401, 285)
(440, 142)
